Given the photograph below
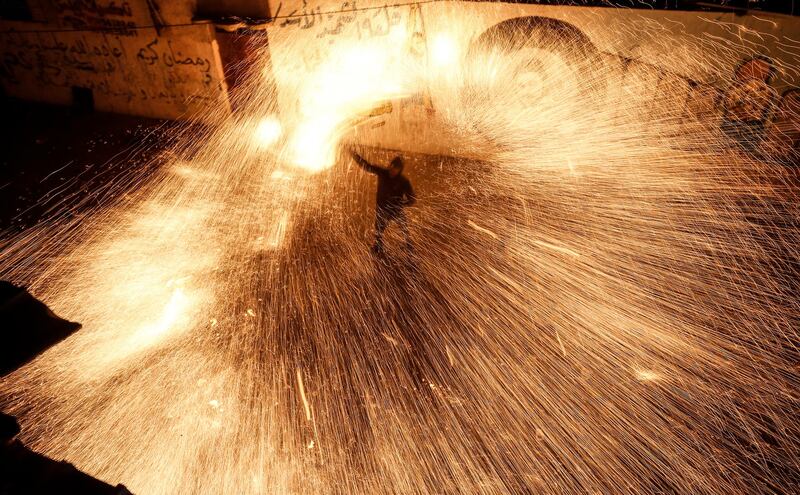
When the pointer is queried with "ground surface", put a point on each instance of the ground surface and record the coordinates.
(51, 153)
(434, 372)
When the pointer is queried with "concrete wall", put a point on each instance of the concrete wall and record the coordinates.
(312, 42)
(177, 72)
(684, 43)
(130, 67)
(708, 62)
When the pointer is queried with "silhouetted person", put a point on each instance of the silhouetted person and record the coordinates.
(393, 195)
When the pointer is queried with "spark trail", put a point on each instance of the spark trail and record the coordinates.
(600, 300)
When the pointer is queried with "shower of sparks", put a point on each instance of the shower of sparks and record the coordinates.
(267, 132)
(600, 299)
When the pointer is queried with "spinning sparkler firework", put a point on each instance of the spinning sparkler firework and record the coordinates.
(601, 299)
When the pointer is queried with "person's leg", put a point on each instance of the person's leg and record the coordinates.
(402, 221)
(380, 228)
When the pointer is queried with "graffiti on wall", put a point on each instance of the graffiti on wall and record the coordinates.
(749, 109)
(137, 68)
(113, 16)
(748, 104)
(782, 136)
(323, 26)
(365, 23)
(755, 116)
(327, 24)
(129, 66)
(169, 57)
(51, 59)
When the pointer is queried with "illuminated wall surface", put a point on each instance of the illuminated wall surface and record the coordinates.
(684, 57)
(176, 72)
(602, 295)
(132, 66)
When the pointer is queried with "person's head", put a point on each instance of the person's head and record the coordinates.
(396, 166)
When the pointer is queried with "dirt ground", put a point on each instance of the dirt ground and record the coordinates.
(52, 152)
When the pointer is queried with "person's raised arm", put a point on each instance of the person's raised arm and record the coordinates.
(365, 164)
